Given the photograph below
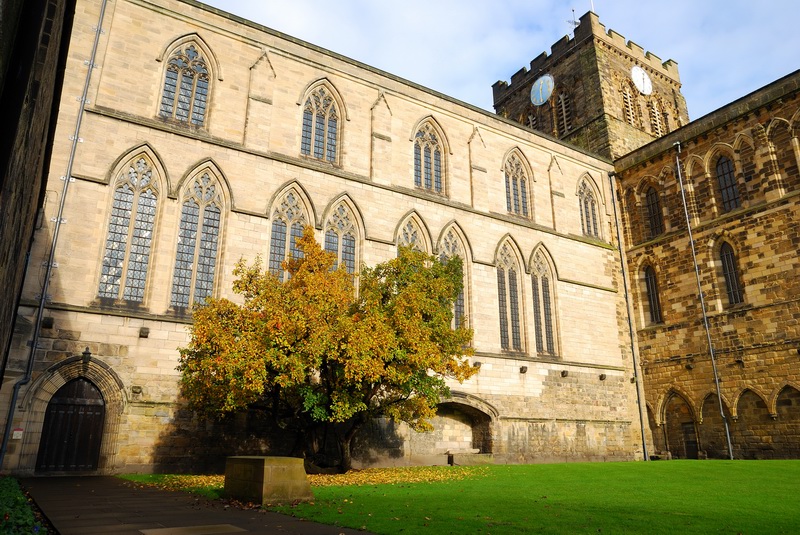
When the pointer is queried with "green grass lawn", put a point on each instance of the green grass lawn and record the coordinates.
(657, 497)
(703, 497)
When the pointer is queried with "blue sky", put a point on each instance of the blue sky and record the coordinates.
(724, 49)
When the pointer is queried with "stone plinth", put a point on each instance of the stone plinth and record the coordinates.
(266, 479)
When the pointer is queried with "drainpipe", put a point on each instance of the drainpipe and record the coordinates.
(57, 221)
(623, 270)
(702, 300)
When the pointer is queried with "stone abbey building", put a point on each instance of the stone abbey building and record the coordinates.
(231, 137)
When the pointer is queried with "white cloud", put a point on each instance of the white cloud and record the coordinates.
(724, 49)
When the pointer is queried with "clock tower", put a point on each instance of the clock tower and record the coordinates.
(596, 90)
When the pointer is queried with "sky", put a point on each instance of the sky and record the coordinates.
(725, 49)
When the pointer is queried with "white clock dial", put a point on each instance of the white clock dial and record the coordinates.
(542, 89)
(641, 80)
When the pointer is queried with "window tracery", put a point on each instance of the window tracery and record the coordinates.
(516, 186)
(130, 234)
(340, 237)
(508, 299)
(289, 221)
(543, 305)
(428, 160)
(320, 133)
(186, 86)
(588, 210)
(450, 247)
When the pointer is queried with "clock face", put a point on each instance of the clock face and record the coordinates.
(641, 80)
(542, 89)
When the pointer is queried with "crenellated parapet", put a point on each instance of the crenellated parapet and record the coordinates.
(590, 27)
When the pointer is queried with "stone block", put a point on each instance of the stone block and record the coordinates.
(267, 479)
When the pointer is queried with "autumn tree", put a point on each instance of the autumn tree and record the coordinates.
(314, 352)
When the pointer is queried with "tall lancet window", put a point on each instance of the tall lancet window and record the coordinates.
(508, 294)
(320, 126)
(543, 288)
(588, 210)
(451, 246)
(340, 237)
(288, 222)
(130, 234)
(428, 161)
(198, 237)
(186, 86)
(516, 186)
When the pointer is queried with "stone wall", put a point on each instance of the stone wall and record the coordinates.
(755, 341)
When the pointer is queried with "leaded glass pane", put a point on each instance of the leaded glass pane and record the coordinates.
(523, 189)
(514, 300)
(305, 143)
(537, 314)
(170, 87)
(140, 247)
(437, 171)
(319, 136)
(116, 242)
(417, 165)
(458, 310)
(501, 297)
(184, 260)
(277, 248)
(332, 245)
(427, 167)
(508, 193)
(653, 300)
(548, 315)
(200, 97)
(207, 257)
(731, 273)
(331, 147)
(654, 219)
(349, 252)
(186, 86)
(515, 187)
(727, 184)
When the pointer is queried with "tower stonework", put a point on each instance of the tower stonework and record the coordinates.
(608, 95)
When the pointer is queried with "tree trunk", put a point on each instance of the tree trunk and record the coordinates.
(346, 440)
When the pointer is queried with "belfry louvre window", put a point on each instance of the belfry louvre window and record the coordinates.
(588, 210)
(320, 126)
(508, 299)
(730, 272)
(340, 238)
(516, 186)
(728, 189)
(130, 233)
(198, 236)
(656, 119)
(628, 109)
(653, 300)
(543, 306)
(287, 226)
(186, 86)
(655, 222)
(428, 159)
(563, 114)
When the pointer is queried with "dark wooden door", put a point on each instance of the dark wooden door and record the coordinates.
(73, 429)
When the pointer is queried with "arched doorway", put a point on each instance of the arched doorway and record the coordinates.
(73, 429)
(679, 425)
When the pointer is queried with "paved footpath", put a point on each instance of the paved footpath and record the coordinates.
(96, 505)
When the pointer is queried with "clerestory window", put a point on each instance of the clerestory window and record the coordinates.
(516, 186)
(428, 159)
(186, 86)
(588, 210)
(728, 189)
(320, 134)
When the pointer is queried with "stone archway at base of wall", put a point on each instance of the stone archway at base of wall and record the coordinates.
(37, 398)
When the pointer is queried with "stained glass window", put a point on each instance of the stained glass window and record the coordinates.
(288, 222)
(320, 133)
(130, 233)
(198, 235)
(428, 159)
(186, 86)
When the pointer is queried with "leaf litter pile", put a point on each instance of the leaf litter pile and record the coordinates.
(369, 476)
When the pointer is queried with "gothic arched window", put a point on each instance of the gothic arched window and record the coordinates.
(588, 210)
(320, 134)
(411, 236)
(288, 222)
(728, 189)
(508, 294)
(340, 237)
(198, 237)
(451, 246)
(186, 86)
(653, 300)
(655, 221)
(516, 186)
(543, 305)
(428, 159)
(730, 272)
(130, 234)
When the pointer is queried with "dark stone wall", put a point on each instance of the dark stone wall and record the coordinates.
(33, 37)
